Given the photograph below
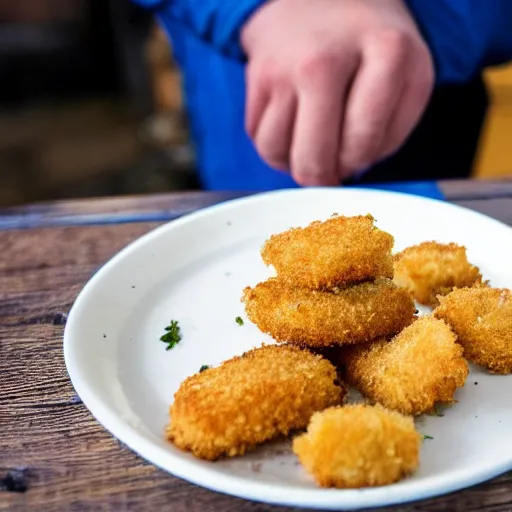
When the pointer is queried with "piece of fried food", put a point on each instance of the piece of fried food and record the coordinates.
(430, 269)
(358, 446)
(421, 366)
(321, 318)
(482, 319)
(250, 399)
(336, 252)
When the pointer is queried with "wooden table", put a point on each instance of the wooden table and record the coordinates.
(53, 454)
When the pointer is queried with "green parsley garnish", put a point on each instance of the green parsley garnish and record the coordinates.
(425, 436)
(172, 337)
(239, 320)
(203, 368)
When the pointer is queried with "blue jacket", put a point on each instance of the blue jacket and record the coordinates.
(464, 37)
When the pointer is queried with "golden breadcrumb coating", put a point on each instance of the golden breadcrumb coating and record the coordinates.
(430, 269)
(321, 318)
(358, 446)
(421, 366)
(339, 251)
(250, 399)
(482, 319)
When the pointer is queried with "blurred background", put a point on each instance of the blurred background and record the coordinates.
(91, 105)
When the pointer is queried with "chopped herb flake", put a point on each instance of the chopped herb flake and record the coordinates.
(239, 320)
(172, 337)
(203, 368)
(425, 436)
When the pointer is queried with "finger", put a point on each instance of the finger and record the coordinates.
(274, 133)
(257, 98)
(412, 104)
(314, 156)
(373, 96)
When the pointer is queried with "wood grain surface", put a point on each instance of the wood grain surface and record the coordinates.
(53, 455)
(116, 210)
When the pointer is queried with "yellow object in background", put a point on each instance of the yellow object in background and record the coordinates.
(495, 152)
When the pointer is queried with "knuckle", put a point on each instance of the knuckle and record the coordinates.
(262, 76)
(316, 67)
(270, 76)
(395, 41)
(263, 73)
(392, 44)
(282, 87)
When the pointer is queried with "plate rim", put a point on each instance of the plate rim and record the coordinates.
(189, 470)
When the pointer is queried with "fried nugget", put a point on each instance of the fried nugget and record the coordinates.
(321, 318)
(419, 367)
(336, 252)
(250, 399)
(482, 319)
(430, 269)
(358, 446)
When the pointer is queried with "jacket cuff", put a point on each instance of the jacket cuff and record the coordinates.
(217, 22)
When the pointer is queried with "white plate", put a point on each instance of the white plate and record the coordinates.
(194, 269)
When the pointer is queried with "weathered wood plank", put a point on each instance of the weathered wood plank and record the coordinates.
(119, 210)
(51, 259)
(165, 207)
(121, 204)
(53, 454)
(475, 189)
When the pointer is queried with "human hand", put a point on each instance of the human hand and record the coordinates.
(333, 86)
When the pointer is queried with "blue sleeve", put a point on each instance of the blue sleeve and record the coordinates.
(217, 22)
(465, 36)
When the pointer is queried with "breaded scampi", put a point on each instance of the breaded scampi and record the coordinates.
(358, 446)
(248, 400)
(431, 268)
(482, 319)
(421, 366)
(338, 251)
(315, 318)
